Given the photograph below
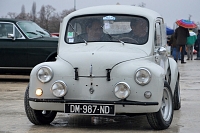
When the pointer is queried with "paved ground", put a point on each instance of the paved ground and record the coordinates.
(187, 120)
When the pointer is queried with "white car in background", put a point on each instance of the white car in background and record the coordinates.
(118, 75)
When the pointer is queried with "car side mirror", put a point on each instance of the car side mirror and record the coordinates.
(11, 36)
(162, 51)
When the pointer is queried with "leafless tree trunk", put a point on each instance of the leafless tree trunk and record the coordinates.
(33, 12)
(45, 14)
(22, 15)
(42, 16)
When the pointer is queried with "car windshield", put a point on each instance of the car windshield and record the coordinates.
(107, 28)
(32, 30)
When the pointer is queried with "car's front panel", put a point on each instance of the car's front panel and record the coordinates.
(98, 90)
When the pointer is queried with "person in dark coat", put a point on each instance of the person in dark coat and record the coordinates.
(181, 35)
(197, 46)
(173, 45)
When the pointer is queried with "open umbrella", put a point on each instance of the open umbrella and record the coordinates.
(186, 23)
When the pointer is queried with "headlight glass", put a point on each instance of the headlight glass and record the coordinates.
(45, 74)
(143, 76)
(59, 88)
(122, 90)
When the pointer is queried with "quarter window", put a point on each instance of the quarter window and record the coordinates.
(158, 35)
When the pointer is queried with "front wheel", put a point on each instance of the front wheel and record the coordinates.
(37, 117)
(162, 119)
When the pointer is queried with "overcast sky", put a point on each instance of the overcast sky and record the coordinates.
(171, 10)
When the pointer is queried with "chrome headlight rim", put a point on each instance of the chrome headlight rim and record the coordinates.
(63, 84)
(149, 75)
(126, 84)
(50, 74)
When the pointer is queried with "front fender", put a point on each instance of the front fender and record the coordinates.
(174, 73)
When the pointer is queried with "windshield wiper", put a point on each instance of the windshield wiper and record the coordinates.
(35, 34)
(112, 36)
(32, 32)
(40, 32)
(78, 34)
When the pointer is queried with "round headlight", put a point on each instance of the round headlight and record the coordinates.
(45, 74)
(59, 88)
(142, 76)
(122, 90)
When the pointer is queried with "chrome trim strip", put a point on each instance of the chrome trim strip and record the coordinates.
(16, 67)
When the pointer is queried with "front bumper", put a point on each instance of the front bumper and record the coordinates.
(120, 102)
(121, 106)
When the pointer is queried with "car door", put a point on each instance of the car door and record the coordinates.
(13, 50)
(160, 52)
(39, 49)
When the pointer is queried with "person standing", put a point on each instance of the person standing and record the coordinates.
(197, 46)
(190, 44)
(173, 45)
(181, 35)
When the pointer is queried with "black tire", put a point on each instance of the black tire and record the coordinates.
(168, 76)
(37, 117)
(177, 96)
(162, 119)
(52, 58)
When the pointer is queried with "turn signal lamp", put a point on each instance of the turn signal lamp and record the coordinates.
(38, 92)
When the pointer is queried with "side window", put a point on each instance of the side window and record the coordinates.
(8, 28)
(158, 34)
(4, 30)
(17, 33)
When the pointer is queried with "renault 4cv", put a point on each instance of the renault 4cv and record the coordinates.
(110, 62)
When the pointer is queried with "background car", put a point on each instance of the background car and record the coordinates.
(24, 44)
(55, 34)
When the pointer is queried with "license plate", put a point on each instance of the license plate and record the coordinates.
(90, 109)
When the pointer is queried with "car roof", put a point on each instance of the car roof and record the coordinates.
(10, 20)
(116, 9)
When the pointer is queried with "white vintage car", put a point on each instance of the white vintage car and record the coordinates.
(112, 60)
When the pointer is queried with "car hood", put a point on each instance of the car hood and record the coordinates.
(99, 57)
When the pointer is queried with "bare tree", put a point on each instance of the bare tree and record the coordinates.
(48, 12)
(33, 12)
(23, 14)
(54, 23)
(42, 16)
(45, 13)
(66, 12)
(12, 14)
(47, 18)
